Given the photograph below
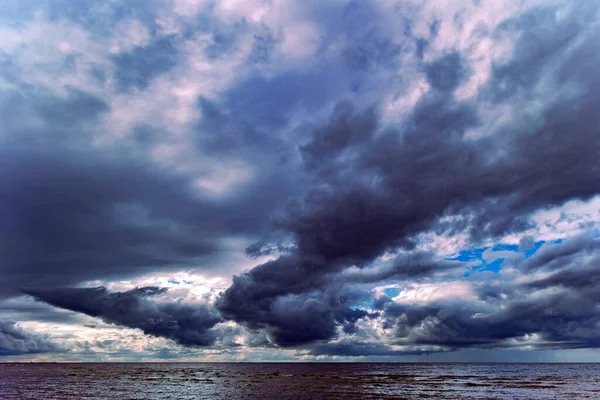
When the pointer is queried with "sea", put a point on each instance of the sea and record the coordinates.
(116, 381)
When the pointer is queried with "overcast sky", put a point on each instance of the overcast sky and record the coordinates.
(299, 180)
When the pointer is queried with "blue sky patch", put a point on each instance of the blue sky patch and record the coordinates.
(391, 292)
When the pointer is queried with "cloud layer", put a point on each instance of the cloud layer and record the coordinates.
(16, 341)
(188, 325)
(390, 179)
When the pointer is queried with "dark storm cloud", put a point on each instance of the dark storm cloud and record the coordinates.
(376, 190)
(288, 307)
(187, 325)
(351, 221)
(14, 341)
(71, 211)
(68, 218)
(302, 300)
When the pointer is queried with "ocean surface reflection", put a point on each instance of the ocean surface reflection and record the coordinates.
(299, 381)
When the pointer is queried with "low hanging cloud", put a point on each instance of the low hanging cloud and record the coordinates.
(187, 325)
(16, 341)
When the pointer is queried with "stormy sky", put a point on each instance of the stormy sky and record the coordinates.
(254, 180)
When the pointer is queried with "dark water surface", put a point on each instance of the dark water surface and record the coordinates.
(299, 381)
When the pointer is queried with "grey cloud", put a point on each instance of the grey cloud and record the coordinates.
(187, 325)
(23, 309)
(561, 308)
(45, 119)
(263, 46)
(68, 217)
(72, 211)
(299, 300)
(344, 130)
(15, 341)
(420, 47)
(563, 320)
(371, 49)
(410, 266)
(263, 248)
(546, 38)
(366, 46)
(554, 256)
(224, 131)
(376, 190)
(138, 67)
(447, 72)
(288, 307)
(265, 102)
(573, 264)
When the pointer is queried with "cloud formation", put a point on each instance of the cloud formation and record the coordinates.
(16, 341)
(187, 325)
(377, 191)
(388, 179)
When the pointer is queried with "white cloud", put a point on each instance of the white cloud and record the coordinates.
(129, 35)
(424, 293)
